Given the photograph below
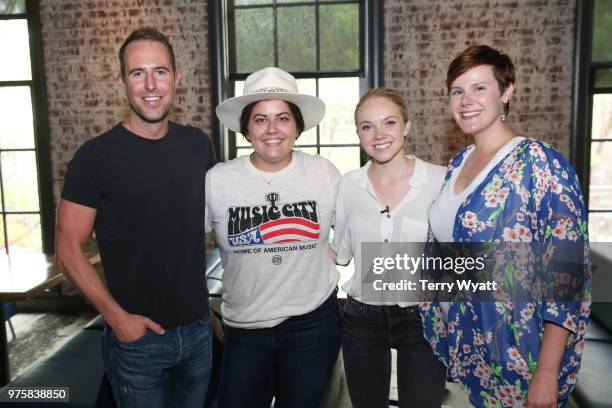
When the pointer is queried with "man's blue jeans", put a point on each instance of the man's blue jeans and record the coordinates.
(291, 361)
(160, 371)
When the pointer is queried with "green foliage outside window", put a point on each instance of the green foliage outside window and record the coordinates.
(339, 37)
(602, 32)
(268, 32)
(296, 36)
(297, 39)
(12, 7)
(254, 39)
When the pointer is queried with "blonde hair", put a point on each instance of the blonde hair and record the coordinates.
(388, 93)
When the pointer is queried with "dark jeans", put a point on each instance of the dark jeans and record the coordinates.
(368, 335)
(160, 371)
(291, 361)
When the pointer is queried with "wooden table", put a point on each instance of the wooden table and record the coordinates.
(25, 276)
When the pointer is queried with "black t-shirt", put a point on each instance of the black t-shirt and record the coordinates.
(149, 197)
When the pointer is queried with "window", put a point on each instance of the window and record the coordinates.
(600, 171)
(322, 43)
(21, 129)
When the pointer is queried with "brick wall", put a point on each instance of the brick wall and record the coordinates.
(81, 40)
(423, 36)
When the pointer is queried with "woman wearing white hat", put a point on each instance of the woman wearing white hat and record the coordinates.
(271, 213)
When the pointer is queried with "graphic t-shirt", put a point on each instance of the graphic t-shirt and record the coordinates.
(273, 230)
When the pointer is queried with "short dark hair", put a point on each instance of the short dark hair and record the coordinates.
(150, 34)
(478, 55)
(246, 115)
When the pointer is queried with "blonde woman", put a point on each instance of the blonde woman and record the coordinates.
(387, 200)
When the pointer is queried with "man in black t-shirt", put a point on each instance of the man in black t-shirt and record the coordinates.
(140, 186)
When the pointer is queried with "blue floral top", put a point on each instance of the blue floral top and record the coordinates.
(532, 195)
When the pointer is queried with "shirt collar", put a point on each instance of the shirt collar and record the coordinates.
(419, 177)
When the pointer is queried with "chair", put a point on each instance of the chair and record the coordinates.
(10, 310)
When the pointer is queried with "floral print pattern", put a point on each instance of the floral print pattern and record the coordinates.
(532, 195)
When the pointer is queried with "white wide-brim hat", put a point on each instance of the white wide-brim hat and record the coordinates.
(266, 84)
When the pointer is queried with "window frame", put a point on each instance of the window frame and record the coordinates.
(370, 72)
(584, 90)
(40, 126)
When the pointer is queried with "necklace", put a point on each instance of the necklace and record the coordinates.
(271, 174)
(268, 181)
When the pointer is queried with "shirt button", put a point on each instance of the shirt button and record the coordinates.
(388, 215)
(386, 240)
